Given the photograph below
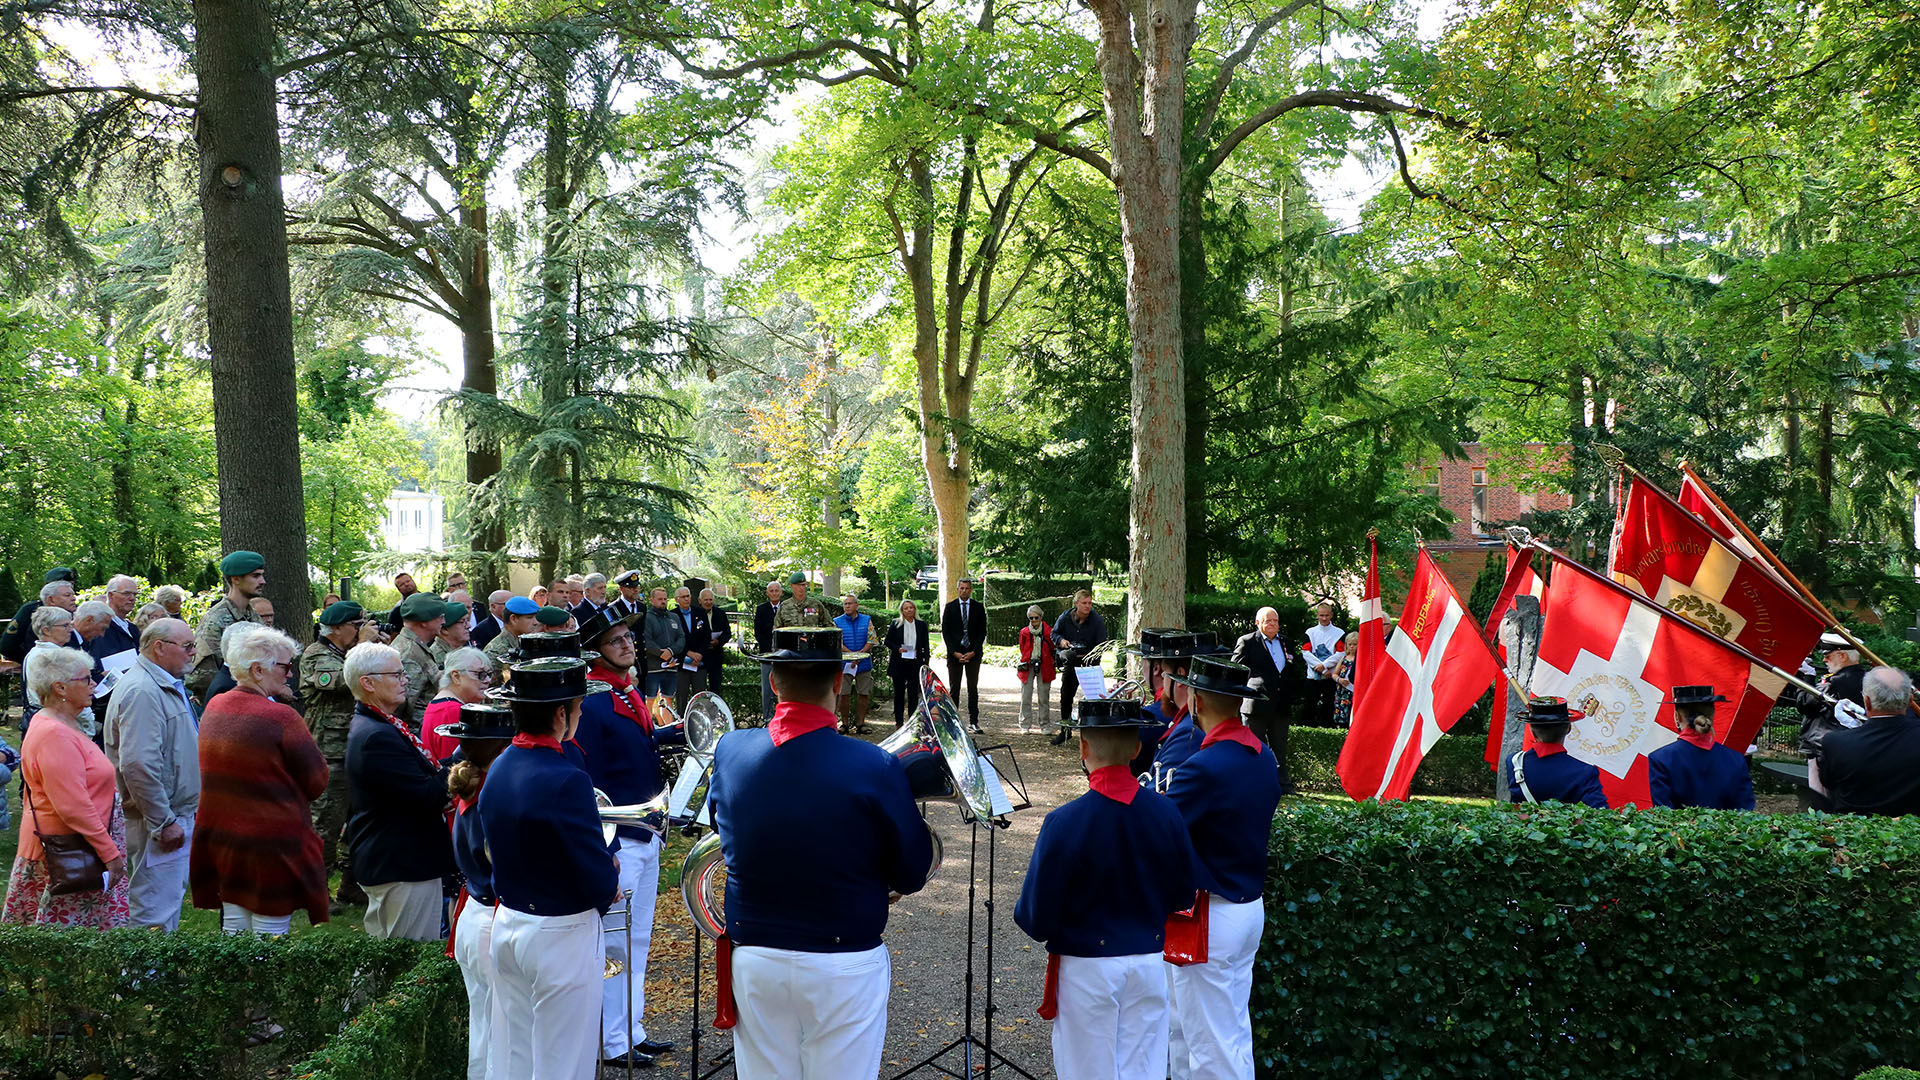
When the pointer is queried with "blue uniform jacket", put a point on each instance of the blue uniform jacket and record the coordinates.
(1106, 874)
(470, 855)
(1558, 777)
(1178, 744)
(815, 833)
(621, 757)
(1227, 792)
(543, 833)
(1716, 777)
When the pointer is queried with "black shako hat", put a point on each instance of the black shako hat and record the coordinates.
(554, 643)
(550, 679)
(1165, 643)
(1212, 675)
(1551, 710)
(1694, 695)
(480, 720)
(1096, 713)
(807, 645)
(601, 623)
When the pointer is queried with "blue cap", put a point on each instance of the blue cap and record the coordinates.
(520, 605)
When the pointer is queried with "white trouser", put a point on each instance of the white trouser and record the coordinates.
(1113, 1018)
(473, 951)
(1176, 1038)
(409, 910)
(640, 881)
(157, 881)
(1027, 715)
(235, 919)
(809, 1016)
(1211, 998)
(547, 971)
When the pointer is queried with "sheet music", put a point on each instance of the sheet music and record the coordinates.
(997, 798)
(1093, 682)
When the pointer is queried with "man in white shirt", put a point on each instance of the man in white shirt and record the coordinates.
(1321, 653)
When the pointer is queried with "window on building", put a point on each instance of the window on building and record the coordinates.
(417, 527)
(1479, 500)
(1432, 483)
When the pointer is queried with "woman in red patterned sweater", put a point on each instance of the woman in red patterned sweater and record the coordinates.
(255, 856)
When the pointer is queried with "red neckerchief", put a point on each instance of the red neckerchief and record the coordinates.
(1549, 749)
(1232, 731)
(792, 719)
(404, 730)
(1701, 739)
(529, 742)
(627, 701)
(1174, 723)
(1116, 782)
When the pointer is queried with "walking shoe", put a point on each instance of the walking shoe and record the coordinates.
(654, 1047)
(640, 1060)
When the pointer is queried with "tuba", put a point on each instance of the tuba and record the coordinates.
(941, 765)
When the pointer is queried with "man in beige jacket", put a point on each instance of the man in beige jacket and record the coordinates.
(152, 738)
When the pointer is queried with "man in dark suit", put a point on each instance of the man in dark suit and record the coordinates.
(963, 628)
(719, 632)
(1264, 652)
(488, 626)
(764, 618)
(628, 602)
(1874, 768)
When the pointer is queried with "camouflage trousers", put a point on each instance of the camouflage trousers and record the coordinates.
(330, 815)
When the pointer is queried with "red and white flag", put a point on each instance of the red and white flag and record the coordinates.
(1409, 692)
(1520, 581)
(1677, 559)
(1616, 656)
(1698, 499)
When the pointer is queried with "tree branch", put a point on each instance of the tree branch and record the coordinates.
(1210, 104)
(178, 101)
(1346, 100)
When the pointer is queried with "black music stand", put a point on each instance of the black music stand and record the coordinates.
(968, 1042)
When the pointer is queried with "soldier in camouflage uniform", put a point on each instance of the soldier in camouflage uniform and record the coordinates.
(801, 609)
(421, 617)
(522, 618)
(323, 686)
(453, 634)
(246, 575)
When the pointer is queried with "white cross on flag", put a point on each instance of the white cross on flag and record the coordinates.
(1409, 692)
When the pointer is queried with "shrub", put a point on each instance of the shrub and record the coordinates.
(134, 1003)
(417, 1031)
(1438, 940)
(1455, 765)
(1888, 1072)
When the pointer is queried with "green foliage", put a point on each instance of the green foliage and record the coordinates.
(9, 590)
(1428, 940)
(1454, 766)
(1889, 1072)
(133, 1003)
(346, 480)
(1486, 587)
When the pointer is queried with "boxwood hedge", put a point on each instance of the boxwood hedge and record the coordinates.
(1437, 940)
(136, 1003)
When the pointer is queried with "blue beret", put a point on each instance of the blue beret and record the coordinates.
(520, 605)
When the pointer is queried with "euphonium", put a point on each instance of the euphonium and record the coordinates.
(649, 815)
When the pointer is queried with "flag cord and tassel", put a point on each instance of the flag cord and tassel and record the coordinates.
(1779, 567)
(1668, 613)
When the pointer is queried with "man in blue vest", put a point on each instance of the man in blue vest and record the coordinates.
(1547, 773)
(856, 635)
(1107, 870)
(622, 747)
(820, 833)
(553, 876)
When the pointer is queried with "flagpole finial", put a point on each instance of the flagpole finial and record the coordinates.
(1373, 532)
(1519, 535)
(1611, 455)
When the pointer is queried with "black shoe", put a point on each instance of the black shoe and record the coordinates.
(1059, 737)
(655, 1047)
(640, 1060)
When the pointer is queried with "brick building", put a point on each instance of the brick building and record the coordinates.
(1486, 491)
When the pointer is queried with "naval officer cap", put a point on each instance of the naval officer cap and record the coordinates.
(241, 563)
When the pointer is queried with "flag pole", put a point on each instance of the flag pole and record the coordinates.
(1779, 567)
(1668, 613)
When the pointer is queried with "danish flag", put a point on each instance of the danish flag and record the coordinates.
(1409, 692)
(1520, 581)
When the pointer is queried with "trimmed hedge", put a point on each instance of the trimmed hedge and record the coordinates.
(1453, 767)
(135, 1003)
(1439, 941)
(1888, 1072)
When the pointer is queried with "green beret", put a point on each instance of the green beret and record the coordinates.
(60, 573)
(798, 578)
(341, 611)
(421, 607)
(241, 563)
(456, 612)
(553, 616)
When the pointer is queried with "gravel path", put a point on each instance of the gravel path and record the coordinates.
(926, 933)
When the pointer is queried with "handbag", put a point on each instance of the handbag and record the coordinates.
(72, 864)
(1187, 934)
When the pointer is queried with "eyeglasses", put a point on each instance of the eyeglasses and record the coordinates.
(616, 639)
(187, 645)
(482, 675)
(395, 674)
(283, 665)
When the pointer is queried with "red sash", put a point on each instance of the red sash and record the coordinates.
(1187, 934)
(1050, 994)
(725, 1014)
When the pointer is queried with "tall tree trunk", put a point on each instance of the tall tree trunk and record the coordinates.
(487, 529)
(830, 506)
(1193, 351)
(1145, 126)
(943, 399)
(249, 316)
